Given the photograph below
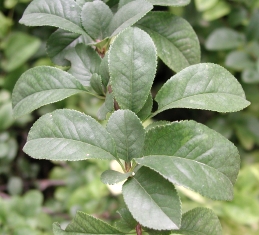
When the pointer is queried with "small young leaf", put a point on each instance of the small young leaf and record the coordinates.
(107, 107)
(96, 84)
(84, 63)
(128, 134)
(96, 17)
(127, 222)
(202, 86)
(146, 109)
(67, 135)
(176, 42)
(104, 70)
(224, 39)
(114, 177)
(199, 221)
(152, 200)
(174, 3)
(40, 86)
(64, 14)
(132, 63)
(174, 150)
(60, 42)
(128, 15)
(84, 224)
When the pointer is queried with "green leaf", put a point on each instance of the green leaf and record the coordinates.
(69, 135)
(6, 115)
(132, 63)
(96, 17)
(250, 76)
(84, 63)
(203, 5)
(127, 222)
(114, 177)
(175, 3)
(200, 221)
(251, 31)
(81, 3)
(40, 86)
(18, 48)
(64, 14)
(96, 84)
(220, 9)
(203, 86)
(128, 134)
(107, 107)
(128, 15)
(146, 109)
(224, 39)
(152, 200)
(238, 60)
(192, 155)
(104, 70)
(84, 224)
(176, 42)
(156, 123)
(60, 42)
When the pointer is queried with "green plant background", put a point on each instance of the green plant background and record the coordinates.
(34, 194)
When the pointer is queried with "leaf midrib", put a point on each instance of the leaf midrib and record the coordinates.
(153, 200)
(191, 160)
(206, 93)
(38, 92)
(58, 138)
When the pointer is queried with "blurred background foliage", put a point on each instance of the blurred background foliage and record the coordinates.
(34, 194)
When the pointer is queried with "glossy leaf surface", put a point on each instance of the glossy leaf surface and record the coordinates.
(128, 134)
(84, 224)
(132, 63)
(176, 42)
(200, 221)
(192, 155)
(40, 86)
(64, 14)
(84, 63)
(152, 200)
(202, 86)
(96, 17)
(128, 15)
(69, 135)
(60, 42)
